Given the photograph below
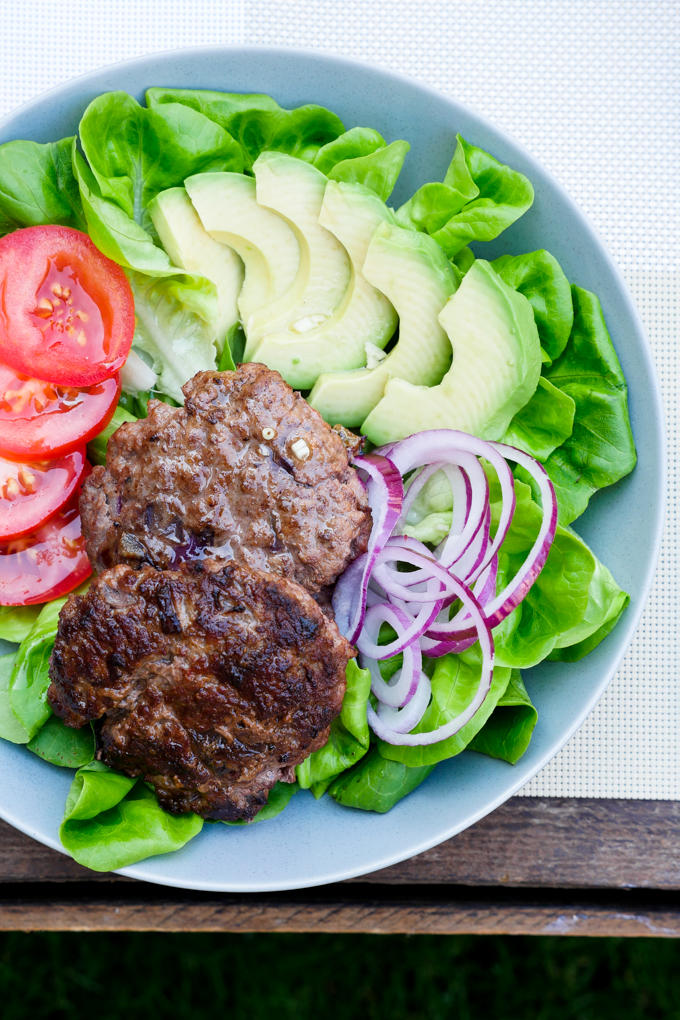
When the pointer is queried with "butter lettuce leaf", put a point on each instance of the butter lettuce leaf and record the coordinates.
(478, 199)
(96, 448)
(37, 186)
(135, 152)
(111, 821)
(539, 277)
(544, 423)
(10, 727)
(61, 745)
(352, 144)
(600, 449)
(507, 731)
(174, 327)
(454, 683)
(376, 783)
(257, 122)
(30, 676)
(16, 622)
(606, 603)
(378, 171)
(349, 737)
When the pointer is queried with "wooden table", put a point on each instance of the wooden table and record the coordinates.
(534, 867)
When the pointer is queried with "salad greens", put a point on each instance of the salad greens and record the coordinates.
(479, 198)
(576, 422)
(111, 821)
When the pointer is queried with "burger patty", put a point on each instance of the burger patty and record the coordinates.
(246, 470)
(213, 681)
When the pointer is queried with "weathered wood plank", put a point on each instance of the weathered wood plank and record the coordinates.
(377, 918)
(554, 842)
(527, 842)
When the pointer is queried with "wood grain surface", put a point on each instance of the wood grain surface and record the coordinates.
(535, 866)
(528, 842)
(367, 916)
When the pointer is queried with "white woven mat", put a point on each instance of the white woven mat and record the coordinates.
(589, 86)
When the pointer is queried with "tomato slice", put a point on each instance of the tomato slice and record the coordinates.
(31, 493)
(40, 419)
(66, 311)
(47, 564)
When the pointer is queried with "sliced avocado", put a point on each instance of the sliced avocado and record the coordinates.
(363, 321)
(413, 272)
(294, 190)
(192, 248)
(495, 370)
(228, 209)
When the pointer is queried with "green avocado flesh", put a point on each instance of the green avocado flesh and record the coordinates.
(495, 369)
(227, 206)
(294, 190)
(412, 271)
(191, 247)
(364, 316)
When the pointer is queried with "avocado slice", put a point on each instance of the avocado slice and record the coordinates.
(363, 321)
(295, 190)
(413, 272)
(495, 370)
(227, 206)
(190, 247)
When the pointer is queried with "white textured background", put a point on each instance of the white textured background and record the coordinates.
(590, 87)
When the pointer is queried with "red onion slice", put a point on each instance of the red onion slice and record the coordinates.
(401, 720)
(392, 736)
(385, 496)
(517, 589)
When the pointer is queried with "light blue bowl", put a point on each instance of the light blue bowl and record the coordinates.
(312, 842)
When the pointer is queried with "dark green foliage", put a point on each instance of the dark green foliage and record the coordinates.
(357, 977)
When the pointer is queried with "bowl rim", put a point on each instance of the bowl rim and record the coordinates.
(632, 618)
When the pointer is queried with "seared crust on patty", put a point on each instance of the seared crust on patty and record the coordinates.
(245, 470)
(212, 681)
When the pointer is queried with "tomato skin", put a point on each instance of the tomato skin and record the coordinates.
(47, 564)
(40, 420)
(32, 493)
(66, 310)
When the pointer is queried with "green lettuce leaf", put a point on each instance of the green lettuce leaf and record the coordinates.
(61, 745)
(606, 603)
(30, 676)
(378, 171)
(558, 599)
(280, 796)
(479, 198)
(257, 122)
(540, 278)
(96, 448)
(37, 186)
(115, 233)
(377, 784)
(543, 424)
(174, 326)
(454, 684)
(507, 731)
(10, 727)
(135, 152)
(600, 450)
(349, 737)
(356, 142)
(16, 622)
(111, 821)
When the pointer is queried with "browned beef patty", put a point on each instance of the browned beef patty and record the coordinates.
(212, 681)
(245, 470)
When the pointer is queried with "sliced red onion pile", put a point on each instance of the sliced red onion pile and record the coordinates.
(416, 603)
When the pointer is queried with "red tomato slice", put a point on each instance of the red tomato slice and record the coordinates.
(40, 419)
(66, 311)
(47, 564)
(31, 493)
